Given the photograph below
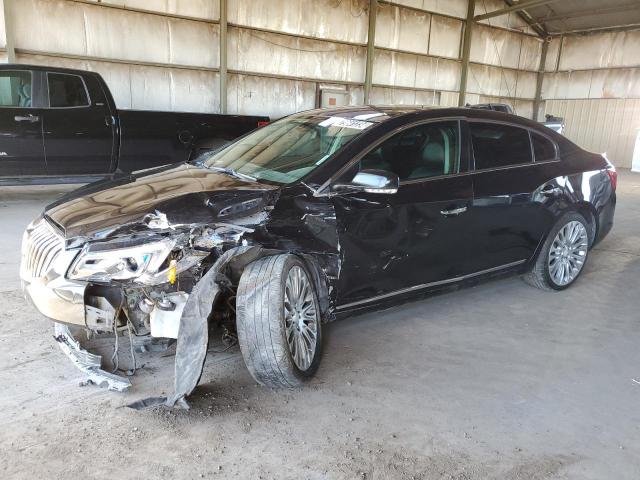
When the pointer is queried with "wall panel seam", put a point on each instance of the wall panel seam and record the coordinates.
(294, 35)
(145, 11)
(21, 51)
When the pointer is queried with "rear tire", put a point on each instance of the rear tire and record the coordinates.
(278, 321)
(563, 254)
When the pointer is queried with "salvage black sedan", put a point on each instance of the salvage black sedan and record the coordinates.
(317, 215)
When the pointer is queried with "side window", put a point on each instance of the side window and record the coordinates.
(66, 91)
(496, 145)
(428, 150)
(15, 89)
(543, 148)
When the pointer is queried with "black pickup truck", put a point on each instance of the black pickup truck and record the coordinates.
(62, 126)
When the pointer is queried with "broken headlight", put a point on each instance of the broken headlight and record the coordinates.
(138, 262)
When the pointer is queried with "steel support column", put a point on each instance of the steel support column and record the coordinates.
(371, 40)
(466, 50)
(539, 79)
(223, 56)
(9, 31)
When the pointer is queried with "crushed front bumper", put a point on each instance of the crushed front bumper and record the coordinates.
(44, 263)
(62, 302)
(87, 362)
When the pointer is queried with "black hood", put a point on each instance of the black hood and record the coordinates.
(185, 193)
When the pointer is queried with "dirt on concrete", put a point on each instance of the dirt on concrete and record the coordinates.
(498, 381)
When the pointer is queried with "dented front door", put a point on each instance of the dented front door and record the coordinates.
(393, 242)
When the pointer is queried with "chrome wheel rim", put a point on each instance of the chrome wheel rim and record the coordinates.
(300, 318)
(568, 253)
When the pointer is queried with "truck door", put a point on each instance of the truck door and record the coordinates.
(79, 129)
(21, 146)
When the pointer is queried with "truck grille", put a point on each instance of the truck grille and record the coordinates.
(40, 248)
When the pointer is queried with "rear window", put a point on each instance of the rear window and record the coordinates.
(15, 89)
(66, 91)
(501, 108)
(543, 148)
(496, 145)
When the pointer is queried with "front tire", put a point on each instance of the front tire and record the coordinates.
(563, 255)
(278, 321)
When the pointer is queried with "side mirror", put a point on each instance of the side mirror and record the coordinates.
(371, 181)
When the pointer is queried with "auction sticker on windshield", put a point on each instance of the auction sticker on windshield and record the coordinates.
(345, 123)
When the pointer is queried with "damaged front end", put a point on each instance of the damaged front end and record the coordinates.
(154, 280)
(160, 253)
(160, 278)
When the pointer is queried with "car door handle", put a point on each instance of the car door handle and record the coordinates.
(550, 190)
(27, 118)
(453, 212)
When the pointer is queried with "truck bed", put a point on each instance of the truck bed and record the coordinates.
(153, 138)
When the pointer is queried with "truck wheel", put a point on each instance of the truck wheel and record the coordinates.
(563, 254)
(278, 321)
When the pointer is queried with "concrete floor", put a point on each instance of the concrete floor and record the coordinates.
(496, 381)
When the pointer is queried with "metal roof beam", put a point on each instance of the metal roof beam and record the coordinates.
(529, 20)
(586, 13)
(611, 28)
(516, 7)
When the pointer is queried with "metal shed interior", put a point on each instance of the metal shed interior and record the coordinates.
(579, 59)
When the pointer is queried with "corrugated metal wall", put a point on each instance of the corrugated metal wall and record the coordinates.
(604, 125)
(164, 54)
(279, 52)
(418, 55)
(504, 60)
(164, 57)
(593, 81)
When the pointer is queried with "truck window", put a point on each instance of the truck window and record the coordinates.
(501, 108)
(66, 91)
(15, 89)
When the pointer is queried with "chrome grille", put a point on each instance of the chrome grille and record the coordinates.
(40, 248)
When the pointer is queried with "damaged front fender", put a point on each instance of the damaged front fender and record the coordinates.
(193, 336)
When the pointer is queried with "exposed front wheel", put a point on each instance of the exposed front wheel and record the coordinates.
(563, 254)
(278, 320)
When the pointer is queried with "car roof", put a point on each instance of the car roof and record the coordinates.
(48, 68)
(383, 113)
(370, 113)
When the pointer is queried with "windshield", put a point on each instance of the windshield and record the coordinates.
(288, 149)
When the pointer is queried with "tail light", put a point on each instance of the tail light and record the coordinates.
(263, 123)
(613, 176)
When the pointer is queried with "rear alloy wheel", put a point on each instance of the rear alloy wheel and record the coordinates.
(568, 253)
(278, 320)
(563, 254)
